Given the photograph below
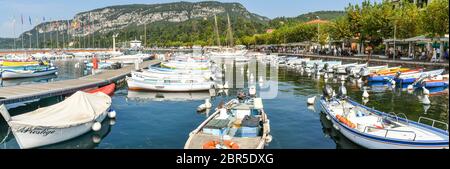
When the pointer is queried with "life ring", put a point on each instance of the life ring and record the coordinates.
(227, 143)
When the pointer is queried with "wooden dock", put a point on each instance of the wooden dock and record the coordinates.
(372, 60)
(21, 93)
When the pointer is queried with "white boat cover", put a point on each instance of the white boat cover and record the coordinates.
(79, 108)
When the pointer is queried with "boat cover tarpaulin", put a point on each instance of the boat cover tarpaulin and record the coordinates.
(79, 108)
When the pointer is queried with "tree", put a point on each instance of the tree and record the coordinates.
(340, 29)
(435, 18)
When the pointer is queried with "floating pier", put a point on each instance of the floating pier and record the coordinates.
(21, 93)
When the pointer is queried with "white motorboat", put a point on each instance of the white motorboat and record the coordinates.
(130, 59)
(15, 74)
(168, 83)
(70, 118)
(373, 129)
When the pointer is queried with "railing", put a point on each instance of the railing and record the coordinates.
(396, 116)
(390, 130)
(433, 122)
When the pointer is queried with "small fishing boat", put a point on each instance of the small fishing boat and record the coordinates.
(70, 118)
(168, 83)
(411, 77)
(385, 77)
(373, 129)
(14, 74)
(129, 59)
(390, 70)
(432, 82)
(167, 71)
(185, 65)
(365, 71)
(238, 124)
(22, 63)
(108, 89)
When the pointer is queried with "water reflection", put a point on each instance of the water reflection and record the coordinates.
(166, 96)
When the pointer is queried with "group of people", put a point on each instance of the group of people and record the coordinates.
(433, 55)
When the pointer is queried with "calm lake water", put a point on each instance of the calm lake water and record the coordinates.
(164, 120)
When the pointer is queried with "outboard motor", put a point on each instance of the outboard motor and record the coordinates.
(342, 93)
(398, 74)
(348, 70)
(327, 92)
(364, 72)
(241, 96)
(325, 67)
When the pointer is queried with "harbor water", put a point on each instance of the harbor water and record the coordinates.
(158, 120)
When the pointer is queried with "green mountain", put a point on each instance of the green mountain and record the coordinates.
(165, 24)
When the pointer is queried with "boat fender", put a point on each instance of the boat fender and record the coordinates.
(112, 122)
(269, 138)
(112, 114)
(96, 126)
(96, 139)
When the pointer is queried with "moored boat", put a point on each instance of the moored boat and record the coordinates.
(22, 63)
(70, 118)
(412, 77)
(432, 82)
(108, 89)
(371, 128)
(168, 83)
(14, 74)
(238, 124)
(388, 76)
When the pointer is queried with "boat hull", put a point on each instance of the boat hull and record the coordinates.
(34, 136)
(380, 78)
(15, 75)
(405, 80)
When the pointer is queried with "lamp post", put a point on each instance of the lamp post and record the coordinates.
(318, 34)
(395, 32)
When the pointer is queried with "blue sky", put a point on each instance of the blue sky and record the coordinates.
(66, 9)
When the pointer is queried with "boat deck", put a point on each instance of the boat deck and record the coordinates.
(21, 93)
(199, 139)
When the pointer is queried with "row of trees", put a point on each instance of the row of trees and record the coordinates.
(371, 22)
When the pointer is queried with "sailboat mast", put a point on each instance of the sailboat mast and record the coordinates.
(216, 29)
(230, 34)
